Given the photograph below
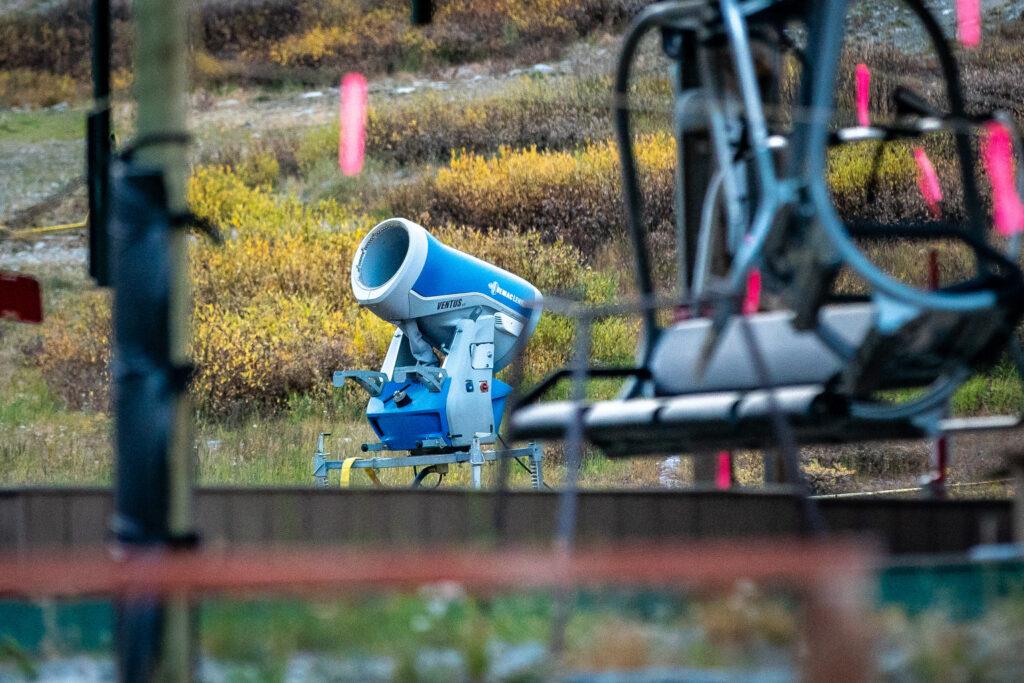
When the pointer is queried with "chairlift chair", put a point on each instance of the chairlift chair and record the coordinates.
(818, 365)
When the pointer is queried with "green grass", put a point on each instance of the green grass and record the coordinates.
(41, 126)
(998, 392)
(41, 442)
(608, 630)
(26, 398)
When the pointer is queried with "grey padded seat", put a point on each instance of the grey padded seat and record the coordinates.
(727, 406)
(793, 357)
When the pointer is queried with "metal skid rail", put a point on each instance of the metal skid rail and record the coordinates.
(476, 457)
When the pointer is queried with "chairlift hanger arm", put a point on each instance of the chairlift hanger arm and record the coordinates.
(663, 14)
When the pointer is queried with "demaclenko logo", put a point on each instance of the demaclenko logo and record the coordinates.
(497, 289)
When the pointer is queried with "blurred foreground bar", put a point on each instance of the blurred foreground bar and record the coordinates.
(32, 518)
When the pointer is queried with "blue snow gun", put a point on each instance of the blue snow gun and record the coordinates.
(457, 322)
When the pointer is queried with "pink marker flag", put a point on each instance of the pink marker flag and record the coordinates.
(752, 298)
(928, 181)
(997, 153)
(723, 470)
(863, 94)
(352, 123)
(968, 22)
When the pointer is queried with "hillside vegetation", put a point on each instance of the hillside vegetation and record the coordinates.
(44, 53)
(523, 173)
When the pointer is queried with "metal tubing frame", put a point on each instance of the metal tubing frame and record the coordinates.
(322, 466)
(772, 193)
(826, 22)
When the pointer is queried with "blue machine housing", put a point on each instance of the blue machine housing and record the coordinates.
(447, 306)
(449, 272)
(424, 418)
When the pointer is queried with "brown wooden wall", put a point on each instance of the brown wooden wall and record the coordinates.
(68, 517)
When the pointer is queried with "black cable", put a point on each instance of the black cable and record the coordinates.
(650, 18)
(417, 482)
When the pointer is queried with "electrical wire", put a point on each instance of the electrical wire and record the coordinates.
(9, 234)
(28, 213)
(915, 489)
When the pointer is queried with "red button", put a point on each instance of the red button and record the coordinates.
(483, 385)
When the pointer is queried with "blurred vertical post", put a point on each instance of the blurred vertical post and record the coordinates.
(152, 330)
(98, 145)
(422, 12)
(939, 454)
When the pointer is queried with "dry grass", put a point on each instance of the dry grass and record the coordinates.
(275, 316)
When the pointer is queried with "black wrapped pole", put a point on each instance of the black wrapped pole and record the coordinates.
(152, 308)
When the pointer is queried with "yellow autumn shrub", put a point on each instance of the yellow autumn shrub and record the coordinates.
(310, 40)
(575, 196)
(274, 314)
(850, 167)
(310, 47)
(33, 88)
(257, 356)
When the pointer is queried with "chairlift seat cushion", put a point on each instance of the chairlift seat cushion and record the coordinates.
(793, 357)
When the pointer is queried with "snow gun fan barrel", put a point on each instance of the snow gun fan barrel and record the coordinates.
(458, 321)
(408, 277)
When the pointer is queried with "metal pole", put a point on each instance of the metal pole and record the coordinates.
(151, 332)
(939, 454)
(422, 12)
(98, 143)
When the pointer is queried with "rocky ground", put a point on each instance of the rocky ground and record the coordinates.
(888, 21)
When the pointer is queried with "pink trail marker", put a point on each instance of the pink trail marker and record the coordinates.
(723, 470)
(352, 113)
(928, 182)
(751, 304)
(752, 298)
(997, 153)
(863, 95)
(968, 22)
